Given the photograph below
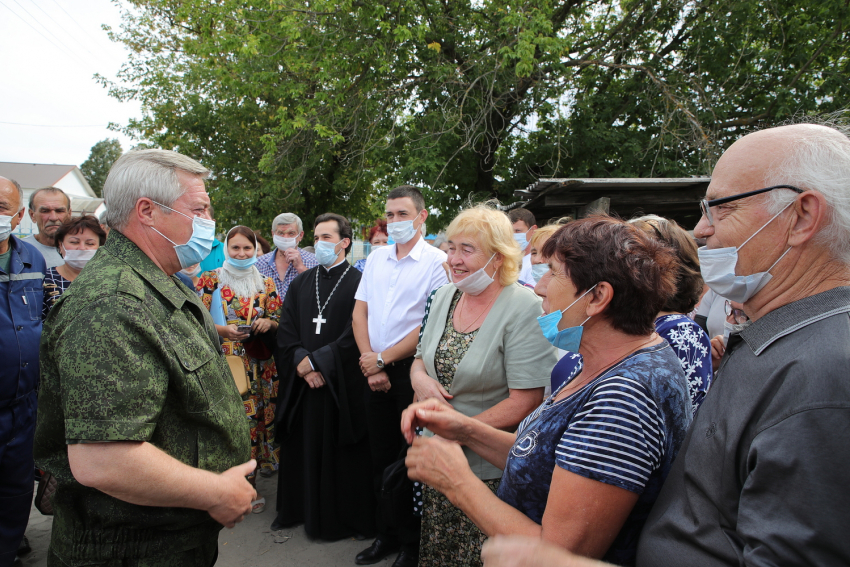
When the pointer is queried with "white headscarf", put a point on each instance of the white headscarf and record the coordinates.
(245, 282)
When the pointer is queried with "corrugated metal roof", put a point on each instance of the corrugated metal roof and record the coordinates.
(34, 175)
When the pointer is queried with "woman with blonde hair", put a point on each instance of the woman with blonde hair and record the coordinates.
(479, 352)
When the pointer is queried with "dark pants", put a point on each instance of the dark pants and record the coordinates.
(17, 431)
(386, 442)
(204, 556)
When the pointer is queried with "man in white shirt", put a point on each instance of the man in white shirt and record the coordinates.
(397, 281)
(524, 225)
(49, 207)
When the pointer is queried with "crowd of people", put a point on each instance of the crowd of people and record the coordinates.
(559, 395)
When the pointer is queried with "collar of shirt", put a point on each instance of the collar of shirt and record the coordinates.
(21, 253)
(415, 252)
(327, 271)
(789, 318)
(126, 250)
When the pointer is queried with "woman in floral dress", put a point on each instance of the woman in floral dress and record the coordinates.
(248, 296)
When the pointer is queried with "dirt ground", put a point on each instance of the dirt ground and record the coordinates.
(250, 544)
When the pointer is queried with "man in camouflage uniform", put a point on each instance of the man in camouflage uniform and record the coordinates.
(140, 420)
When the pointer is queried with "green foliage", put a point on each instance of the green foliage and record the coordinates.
(326, 105)
(96, 167)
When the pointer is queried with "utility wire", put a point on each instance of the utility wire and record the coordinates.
(73, 19)
(57, 125)
(61, 27)
(66, 52)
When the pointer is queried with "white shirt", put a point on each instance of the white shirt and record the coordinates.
(396, 290)
(525, 274)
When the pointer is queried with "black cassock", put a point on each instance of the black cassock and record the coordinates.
(325, 477)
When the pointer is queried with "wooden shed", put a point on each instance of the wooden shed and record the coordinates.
(674, 198)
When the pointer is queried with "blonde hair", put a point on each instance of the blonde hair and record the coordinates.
(493, 232)
(542, 234)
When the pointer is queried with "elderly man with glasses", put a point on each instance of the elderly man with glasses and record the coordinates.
(761, 477)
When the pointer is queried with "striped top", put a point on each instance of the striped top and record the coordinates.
(623, 428)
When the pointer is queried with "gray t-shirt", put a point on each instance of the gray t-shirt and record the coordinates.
(51, 255)
(761, 478)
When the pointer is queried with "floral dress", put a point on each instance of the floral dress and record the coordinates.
(448, 537)
(262, 374)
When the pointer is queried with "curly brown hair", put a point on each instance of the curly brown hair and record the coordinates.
(641, 270)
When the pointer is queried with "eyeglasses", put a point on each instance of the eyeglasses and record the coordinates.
(705, 205)
(737, 315)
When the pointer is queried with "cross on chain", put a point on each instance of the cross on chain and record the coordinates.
(318, 321)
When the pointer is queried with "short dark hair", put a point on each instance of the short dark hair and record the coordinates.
(640, 269)
(78, 225)
(410, 191)
(49, 190)
(689, 282)
(523, 215)
(342, 224)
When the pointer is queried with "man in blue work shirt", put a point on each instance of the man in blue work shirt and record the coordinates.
(22, 270)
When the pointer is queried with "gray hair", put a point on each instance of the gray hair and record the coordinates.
(145, 173)
(819, 161)
(20, 192)
(48, 190)
(287, 218)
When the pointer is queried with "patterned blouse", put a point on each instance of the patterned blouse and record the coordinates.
(54, 286)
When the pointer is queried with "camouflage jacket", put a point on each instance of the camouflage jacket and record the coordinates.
(130, 354)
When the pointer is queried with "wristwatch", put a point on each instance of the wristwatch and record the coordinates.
(380, 361)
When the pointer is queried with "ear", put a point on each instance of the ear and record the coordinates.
(20, 215)
(600, 298)
(32, 213)
(425, 216)
(811, 217)
(145, 211)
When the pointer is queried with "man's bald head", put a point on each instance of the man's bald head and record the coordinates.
(14, 188)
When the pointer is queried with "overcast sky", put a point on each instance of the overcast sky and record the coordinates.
(51, 108)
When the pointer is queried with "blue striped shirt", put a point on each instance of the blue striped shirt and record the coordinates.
(623, 428)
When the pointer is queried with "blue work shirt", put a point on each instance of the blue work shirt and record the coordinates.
(21, 297)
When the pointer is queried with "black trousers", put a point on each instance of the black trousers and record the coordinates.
(386, 442)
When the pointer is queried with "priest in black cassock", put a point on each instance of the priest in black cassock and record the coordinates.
(325, 477)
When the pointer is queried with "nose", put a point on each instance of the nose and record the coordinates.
(703, 229)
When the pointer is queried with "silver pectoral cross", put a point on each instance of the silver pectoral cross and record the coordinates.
(318, 321)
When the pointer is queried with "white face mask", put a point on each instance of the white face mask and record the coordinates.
(402, 231)
(717, 267)
(5, 227)
(476, 282)
(192, 271)
(78, 259)
(729, 328)
(284, 243)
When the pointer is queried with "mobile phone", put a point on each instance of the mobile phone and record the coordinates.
(243, 328)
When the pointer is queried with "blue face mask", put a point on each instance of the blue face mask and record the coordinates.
(568, 339)
(241, 264)
(538, 271)
(326, 253)
(200, 243)
(521, 240)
